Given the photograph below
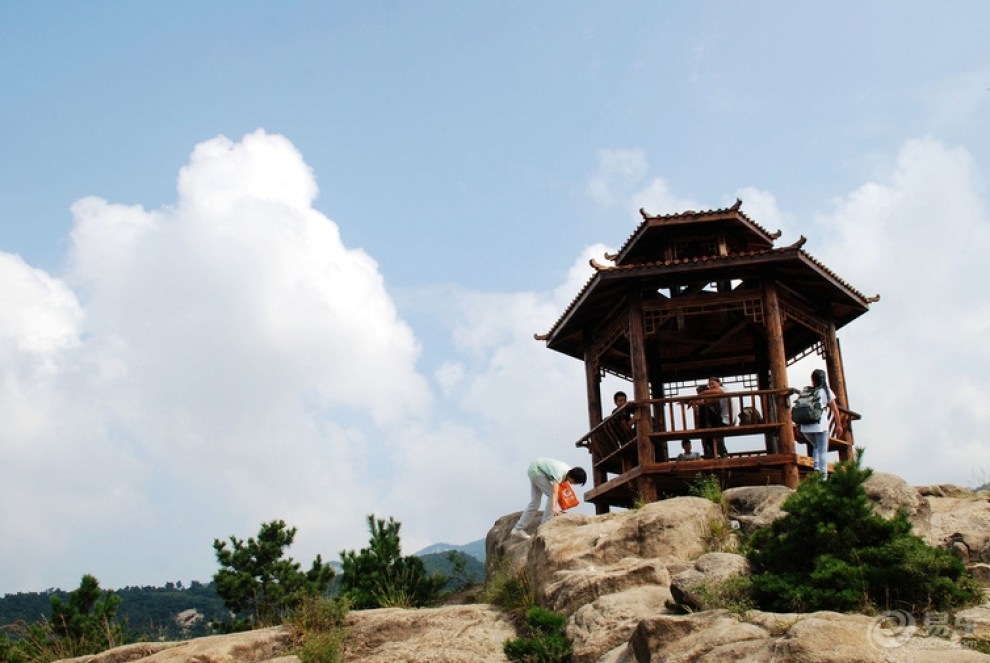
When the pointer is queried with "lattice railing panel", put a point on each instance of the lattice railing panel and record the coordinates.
(655, 318)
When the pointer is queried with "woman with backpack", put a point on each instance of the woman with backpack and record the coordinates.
(816, 432)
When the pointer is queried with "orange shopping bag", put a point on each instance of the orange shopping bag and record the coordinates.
(566, 497)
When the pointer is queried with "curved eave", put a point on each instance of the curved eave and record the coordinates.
(790, 265)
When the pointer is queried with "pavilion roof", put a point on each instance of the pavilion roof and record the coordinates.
(791, 265)
(656, 230)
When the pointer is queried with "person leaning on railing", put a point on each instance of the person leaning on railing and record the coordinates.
(712, 412)
(625, 415)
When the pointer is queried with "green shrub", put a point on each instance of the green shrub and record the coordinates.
(709, 487)
(733, 594)
(319, 626)
(508, 589)
(831, 551)
(718, 536)
(545, 641)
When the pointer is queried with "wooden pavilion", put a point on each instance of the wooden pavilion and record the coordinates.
(694, 295)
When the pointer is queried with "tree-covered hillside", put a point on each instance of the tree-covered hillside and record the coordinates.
(461, 568)
(177, 611)
(168, 612)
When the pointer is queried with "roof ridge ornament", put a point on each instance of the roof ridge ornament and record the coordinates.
(798, 244)
(736, 205)
(540, 337)
(874, 299)
(597, 266)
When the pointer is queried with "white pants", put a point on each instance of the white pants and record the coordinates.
(538, 487)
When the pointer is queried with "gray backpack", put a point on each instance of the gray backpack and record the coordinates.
(807, 409)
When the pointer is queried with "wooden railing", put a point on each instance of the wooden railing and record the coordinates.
(745, 409)
(841, 443)
(620, 459)
(750, 413)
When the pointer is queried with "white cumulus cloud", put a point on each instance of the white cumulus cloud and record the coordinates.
(207, 366)
(918, 364)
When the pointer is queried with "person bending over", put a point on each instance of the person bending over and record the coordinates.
(545, 477)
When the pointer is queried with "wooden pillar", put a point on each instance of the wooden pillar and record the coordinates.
(593, 385)
(837, 382)
(774, 321)
(641, 391)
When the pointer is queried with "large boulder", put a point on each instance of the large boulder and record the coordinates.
(598, 565)
(963, 520)
(713, 635)
(757, 637)
(452, 634)
(256, 646)
(668, 530)
(696, 587)
(754, 507)
(944, 490)
(607, 623)
(890, 494)
(573, 559)
(568, 590)
(504, 552)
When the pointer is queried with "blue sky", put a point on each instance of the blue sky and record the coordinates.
(285, 260)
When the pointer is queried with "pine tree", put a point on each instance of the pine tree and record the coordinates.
(379, 576)
(257, 583)
(832, 551)
(87, 619)
(84, 622)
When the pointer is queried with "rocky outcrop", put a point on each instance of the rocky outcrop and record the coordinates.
(694, 587)
(963, 520)
(616, 577)
(609, 621)
(754, 507)
(890, 494)
(757, 637)
(265, 644)
(453, 634)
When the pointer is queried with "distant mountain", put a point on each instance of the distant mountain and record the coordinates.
(475, 549)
